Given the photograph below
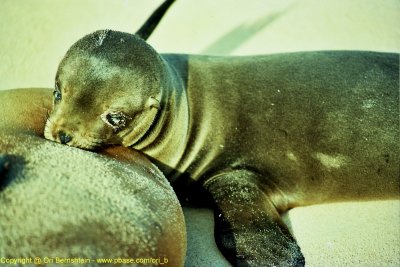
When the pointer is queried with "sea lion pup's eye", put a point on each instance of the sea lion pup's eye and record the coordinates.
(115, 119)
(57, 92)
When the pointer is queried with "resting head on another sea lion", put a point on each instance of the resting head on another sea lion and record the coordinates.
(260, 134)
(113, 88)
(58, 201)
(95, 87)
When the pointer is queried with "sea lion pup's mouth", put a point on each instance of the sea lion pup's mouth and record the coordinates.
(88, 141)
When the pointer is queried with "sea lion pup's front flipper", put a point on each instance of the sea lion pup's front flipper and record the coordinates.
(151, 23)
(248, 228)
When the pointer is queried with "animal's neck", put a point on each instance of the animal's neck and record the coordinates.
(166, 142)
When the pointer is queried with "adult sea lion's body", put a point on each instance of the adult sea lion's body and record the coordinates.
(52, 206)
(260, 134)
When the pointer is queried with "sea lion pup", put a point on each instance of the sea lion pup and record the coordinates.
(260, 134)
(70, 206)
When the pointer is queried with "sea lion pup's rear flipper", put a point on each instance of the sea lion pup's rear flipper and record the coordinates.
(151, 23)
(248, 228)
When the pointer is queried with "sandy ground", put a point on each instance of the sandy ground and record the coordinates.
(35, 35)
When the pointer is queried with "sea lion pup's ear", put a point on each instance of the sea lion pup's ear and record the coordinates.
(152, 102)
(151, 23)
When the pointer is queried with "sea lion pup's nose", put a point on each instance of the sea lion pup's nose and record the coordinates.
(64, 138)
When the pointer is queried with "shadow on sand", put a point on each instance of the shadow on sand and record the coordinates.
(227, 43)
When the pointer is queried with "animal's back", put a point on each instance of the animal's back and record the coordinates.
(308, 116)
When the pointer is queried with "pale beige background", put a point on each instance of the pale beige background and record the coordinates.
(34, 35)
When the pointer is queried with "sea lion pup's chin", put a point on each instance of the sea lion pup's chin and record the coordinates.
(108, 90)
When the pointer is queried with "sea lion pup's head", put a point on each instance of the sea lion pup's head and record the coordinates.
(108, 90)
